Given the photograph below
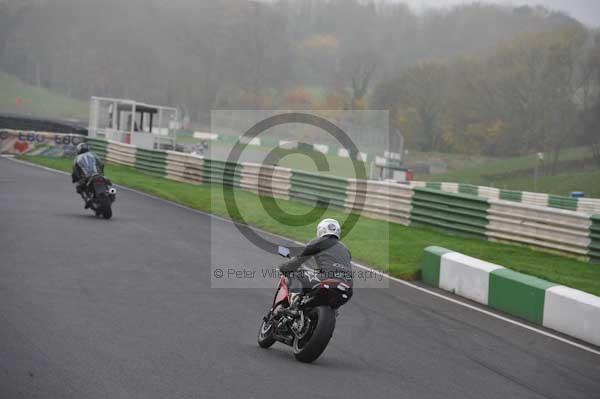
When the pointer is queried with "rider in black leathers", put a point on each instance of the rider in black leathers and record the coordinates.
(85, 165)
(324, 257)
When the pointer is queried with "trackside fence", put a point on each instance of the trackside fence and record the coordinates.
(547, 222)
(587, 205)
(559, 224)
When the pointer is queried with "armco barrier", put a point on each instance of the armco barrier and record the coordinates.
(221, 172)
(488, 192)
(449, 206)
(468, 189)
(594, 248)
(184, 168)
(266, 180)
(123, 154)
(591, 206)
(495, 214)
(563, 309)
(99, 147)
(455, 212)
(151, 161)
(380, 200)
(554, 229)
(510, 195)
(587, 205)
(310, 187)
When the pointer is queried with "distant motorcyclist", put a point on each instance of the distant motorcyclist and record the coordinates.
(324, 257)
(85, 165)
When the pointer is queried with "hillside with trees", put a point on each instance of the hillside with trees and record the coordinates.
(475, 79)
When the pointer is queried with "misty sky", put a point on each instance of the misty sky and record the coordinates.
(587, 11)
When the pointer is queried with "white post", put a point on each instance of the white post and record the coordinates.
(160, 112)
(132, 117)
(160, 123)
(132, 132)
(115, 114)
(93, 117)
(177, 126)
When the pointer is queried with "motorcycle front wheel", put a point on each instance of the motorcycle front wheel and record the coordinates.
(265, 334)
(313, 342)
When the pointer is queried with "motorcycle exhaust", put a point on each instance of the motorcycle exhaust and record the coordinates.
(112, 191)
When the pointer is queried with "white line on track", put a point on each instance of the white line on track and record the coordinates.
(361, 266)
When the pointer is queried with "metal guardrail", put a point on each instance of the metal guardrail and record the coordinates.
(594, 248)
(464, 209)
(587, 205)
(536, 221)
(266, 180)
(312, 187)
(554, 229)
(456, 212)
(380, 200)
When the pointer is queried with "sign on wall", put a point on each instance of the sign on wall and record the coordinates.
(19, 142)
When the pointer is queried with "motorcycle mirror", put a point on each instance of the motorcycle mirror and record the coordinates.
(283, 251)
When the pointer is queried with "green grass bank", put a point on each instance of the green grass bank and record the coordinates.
(20, 98)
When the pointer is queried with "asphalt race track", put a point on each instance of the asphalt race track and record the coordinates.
(91, 308)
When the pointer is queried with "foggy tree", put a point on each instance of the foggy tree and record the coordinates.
(421, 89)
(590, 99)
(442, 73)
(358, 69)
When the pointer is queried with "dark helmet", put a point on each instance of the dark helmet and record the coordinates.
(82, 147)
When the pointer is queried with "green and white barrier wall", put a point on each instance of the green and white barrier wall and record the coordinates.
(549, 228)
(311, 187)
(587, 205)
(452, 207)
(560, 308)
(380, 200)
(267, 180)
(462, 213)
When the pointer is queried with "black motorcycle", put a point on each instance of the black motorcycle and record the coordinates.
(99, 194)
(307, 324)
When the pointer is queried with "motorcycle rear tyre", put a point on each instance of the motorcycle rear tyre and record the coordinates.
(311, 350)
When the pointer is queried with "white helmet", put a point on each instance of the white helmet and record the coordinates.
(329, 227)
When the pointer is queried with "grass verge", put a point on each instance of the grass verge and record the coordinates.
(399, 253)
(586, 179)
(20, 98)
(297, 160)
